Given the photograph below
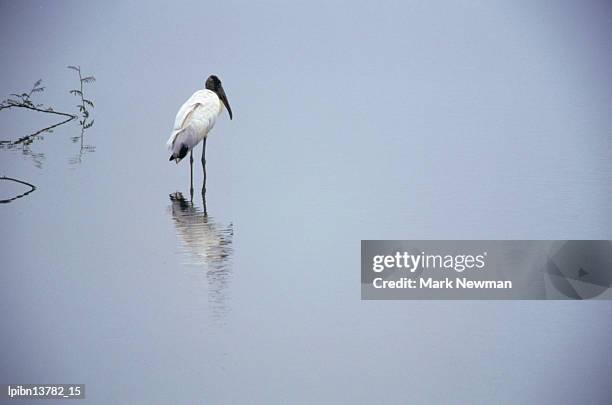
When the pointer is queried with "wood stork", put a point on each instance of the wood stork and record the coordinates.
(193, 122)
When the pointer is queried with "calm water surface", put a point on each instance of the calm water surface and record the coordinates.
(449, 122)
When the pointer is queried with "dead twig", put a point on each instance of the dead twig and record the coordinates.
(32, 188)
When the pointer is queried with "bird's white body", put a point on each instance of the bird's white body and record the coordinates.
(194, 120)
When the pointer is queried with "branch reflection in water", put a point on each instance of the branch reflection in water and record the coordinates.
(23, 143)
(84, 148)
(206, 244)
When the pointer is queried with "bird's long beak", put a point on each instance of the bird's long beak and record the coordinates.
(223, 97)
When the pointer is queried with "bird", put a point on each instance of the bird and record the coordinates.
(194, 120)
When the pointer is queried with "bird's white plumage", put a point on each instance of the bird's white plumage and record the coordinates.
(194, 120)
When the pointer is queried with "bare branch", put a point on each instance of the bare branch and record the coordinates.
(32, 188)
(28, 137)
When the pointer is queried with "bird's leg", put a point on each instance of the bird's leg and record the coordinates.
(204, 165)
(191, 167)
(204, 205)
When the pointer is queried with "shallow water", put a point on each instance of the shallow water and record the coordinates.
(451, 122)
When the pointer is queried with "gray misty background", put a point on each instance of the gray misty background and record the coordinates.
(352, 120)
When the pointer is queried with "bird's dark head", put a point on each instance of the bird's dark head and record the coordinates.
(213, 83)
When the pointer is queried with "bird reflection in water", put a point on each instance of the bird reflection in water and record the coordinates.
(207, 244)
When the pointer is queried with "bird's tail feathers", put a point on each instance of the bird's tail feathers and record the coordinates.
(181, 142)
(179, 153)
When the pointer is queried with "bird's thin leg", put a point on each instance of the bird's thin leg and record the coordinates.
(191, 167)
(204, 165)
(204, 205)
